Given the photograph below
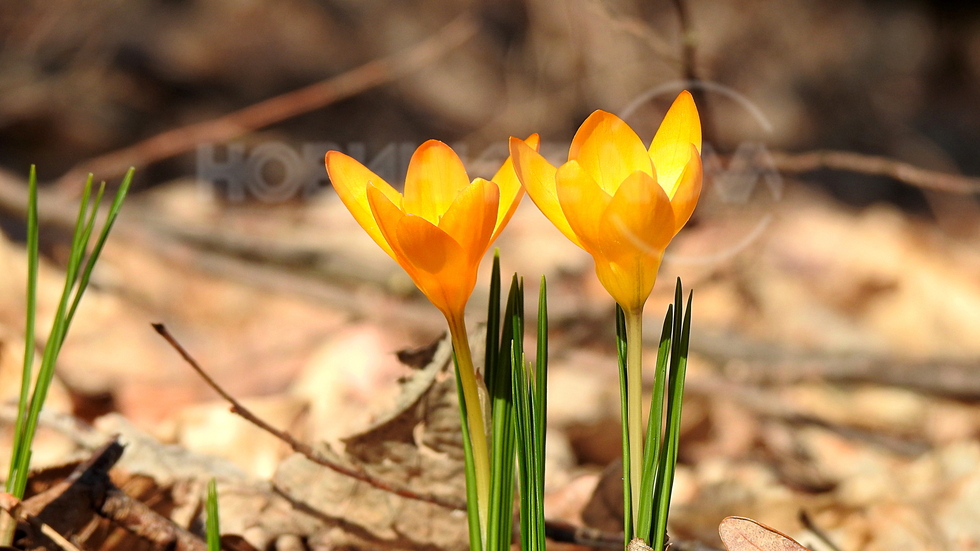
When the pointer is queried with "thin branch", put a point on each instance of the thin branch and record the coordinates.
(689, 53)
(181, 140)
(139, 519)
(301, 448)
(51, 534)
(875, 166)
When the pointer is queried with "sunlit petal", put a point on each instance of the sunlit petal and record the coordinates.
(442, 271)
(639, 220)
(583, 202)
(608, 150)
(688, 192)
(387, 217)
(629, 281)
(511, 190)
(471, 218)
(435, 175)
(538, 177)
(671, 148)
(351, 179)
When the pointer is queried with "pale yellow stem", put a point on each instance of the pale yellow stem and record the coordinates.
(474, 419)
(634, 409)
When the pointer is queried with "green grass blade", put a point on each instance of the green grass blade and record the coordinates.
(627, 497)
(523, 464)
(213, 526)
(29, 344)
(502, 427)
(651, 449)
(541, 365)
(675, 396)
(103, 236)
(52, 346)
(76, 281)
(530, 388)
(493, 324)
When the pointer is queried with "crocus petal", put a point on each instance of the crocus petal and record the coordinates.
(583, 202)
(639, 220)
(629, 282)
(511, 190)
(633, 232)
(387, 216)
(471, 218)
(441, 269)
(435, 175)
(670, 149)
(688, 191)
(608, 150)
(538, 177)
(351, 179)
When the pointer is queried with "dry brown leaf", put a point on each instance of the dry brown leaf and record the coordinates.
(744, 534)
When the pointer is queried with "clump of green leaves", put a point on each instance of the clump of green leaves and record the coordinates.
(663, 427)
(77, 275)
(517, 395)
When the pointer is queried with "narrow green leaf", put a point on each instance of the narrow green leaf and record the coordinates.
(213, 525)
(503, 436)
(29, 327)
(651, 449)
(493, 323)
(628, 532)
(675, 396)
(541, 365)
(103, 236)
(530, 461)
(52, 346)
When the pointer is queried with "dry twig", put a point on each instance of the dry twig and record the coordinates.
(875, 166)
(689, 53)
(556, 530)
(181, 140)
(300, 447)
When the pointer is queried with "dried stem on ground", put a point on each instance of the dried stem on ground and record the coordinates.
(302, 448)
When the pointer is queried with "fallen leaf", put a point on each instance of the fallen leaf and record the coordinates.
(743, 534)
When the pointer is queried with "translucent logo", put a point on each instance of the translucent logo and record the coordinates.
(740, 188)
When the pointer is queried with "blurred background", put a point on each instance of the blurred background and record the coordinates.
(834, 258)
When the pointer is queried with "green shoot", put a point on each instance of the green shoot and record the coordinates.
(76, 281)
(623, 401)
(661, 442)
(675, 395)
(530, 390)
(213, 527)
(651, 451)
(498, 378)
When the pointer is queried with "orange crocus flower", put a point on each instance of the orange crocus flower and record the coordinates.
(619, 200)
(441, 227)
(438, 231)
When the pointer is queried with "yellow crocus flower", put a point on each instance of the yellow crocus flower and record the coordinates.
(438, 231)
(623, 203)
(441, 227)
(619, 200)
